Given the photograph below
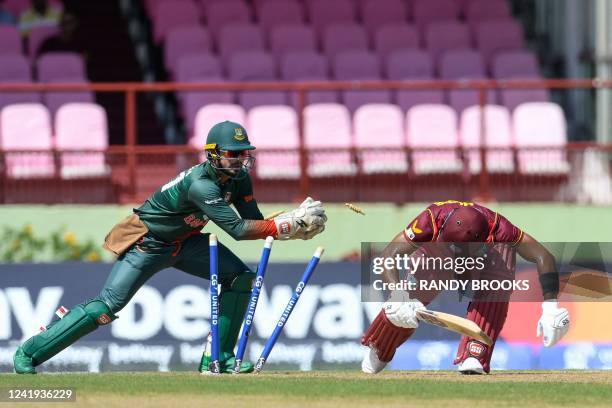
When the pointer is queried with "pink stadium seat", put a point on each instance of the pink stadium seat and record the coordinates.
(15, 68)
(26, 127)
(380, 125)
(204, 4)
(182, 41)
(307, 66)
(433, 127)
(274, 13)
(236, 37)
(395, 36)
(211, 114)
(498, 35)
(409, 64)
(416, 65)
(37, 36)
(260, 67)
(342, 37)
(192, 102)
(221, 13)
(511, 98)
(199, 66)
(303, 65)
(498, 137)
(377, 13)
(481, 10)
(427, 11)
(328, 126)
(463, 64)
(65, 65)
(515, 64)
(359, 65)
(252, 66)
(72, 122)
(54, 100)
(324, 12)
(275, 127)
(541, 124)
(441, 36)
(172, 14)
(291, 38)
(10, 40)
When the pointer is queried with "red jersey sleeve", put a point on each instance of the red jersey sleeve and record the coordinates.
(505, 231)
(421, 229)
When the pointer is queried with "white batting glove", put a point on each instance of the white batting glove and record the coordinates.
(554, 323)
(304, 222)
(401, 310)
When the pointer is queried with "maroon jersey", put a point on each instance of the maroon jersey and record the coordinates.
(426, 226)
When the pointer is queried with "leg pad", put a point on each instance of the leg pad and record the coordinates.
(490, 317)
(79, 321)
(233, 305)
(384, 337)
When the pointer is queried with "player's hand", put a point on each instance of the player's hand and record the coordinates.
(401, 310)
(316, 230)
(316, 208)
(304, 222)
(553, 324)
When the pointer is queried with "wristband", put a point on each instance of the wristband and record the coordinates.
(549, 282)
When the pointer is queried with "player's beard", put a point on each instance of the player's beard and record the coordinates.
(236, 171)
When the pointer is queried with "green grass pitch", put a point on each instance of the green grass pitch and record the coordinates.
(328, 389)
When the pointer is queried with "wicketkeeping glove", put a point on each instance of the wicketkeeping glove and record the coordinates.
(304, 222)
(554, 323)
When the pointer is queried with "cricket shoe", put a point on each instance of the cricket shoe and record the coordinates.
(226, 364)
(22, 363)
(470, 366)
(371, 364)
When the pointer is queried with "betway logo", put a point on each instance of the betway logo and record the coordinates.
(330, 312)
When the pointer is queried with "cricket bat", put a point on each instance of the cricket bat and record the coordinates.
(454, 323)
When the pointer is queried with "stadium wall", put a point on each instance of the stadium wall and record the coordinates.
(344, 231)
(163, 326)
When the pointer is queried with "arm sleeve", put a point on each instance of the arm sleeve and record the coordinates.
(507, 232)
(422, 228)
(246, 205)
(207, 196)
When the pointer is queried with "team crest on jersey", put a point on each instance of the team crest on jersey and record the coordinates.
(239, 134)
(228, 197)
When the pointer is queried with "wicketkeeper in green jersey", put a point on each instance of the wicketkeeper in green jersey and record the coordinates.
(166, 232)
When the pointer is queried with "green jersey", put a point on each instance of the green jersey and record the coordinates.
(186, 204)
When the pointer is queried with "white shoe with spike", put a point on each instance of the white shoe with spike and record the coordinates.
(470, 366)
(371, 364)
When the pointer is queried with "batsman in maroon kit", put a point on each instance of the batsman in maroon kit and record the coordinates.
(462, 222)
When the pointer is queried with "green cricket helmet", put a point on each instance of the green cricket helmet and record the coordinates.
(229, 136)
(226, 138)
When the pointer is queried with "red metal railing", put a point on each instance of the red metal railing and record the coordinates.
(132, 151)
